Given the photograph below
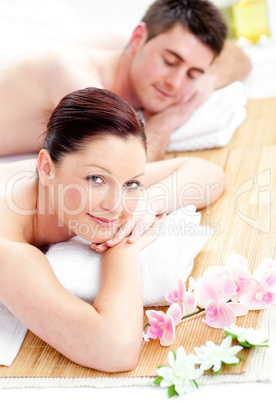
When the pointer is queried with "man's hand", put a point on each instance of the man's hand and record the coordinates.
(160, 126)
(204, 89)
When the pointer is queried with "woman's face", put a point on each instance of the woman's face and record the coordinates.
(96, 190)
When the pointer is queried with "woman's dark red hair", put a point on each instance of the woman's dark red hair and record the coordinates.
(90, 114)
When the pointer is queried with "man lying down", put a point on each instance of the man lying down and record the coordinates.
(173, 61)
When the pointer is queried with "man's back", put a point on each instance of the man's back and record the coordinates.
(31, 87)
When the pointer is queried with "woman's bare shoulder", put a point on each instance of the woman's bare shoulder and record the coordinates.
(18, 191)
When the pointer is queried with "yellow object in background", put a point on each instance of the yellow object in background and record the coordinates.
(250, 21)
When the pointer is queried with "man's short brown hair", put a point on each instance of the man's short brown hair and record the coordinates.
(200, 17)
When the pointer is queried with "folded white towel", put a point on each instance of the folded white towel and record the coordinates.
(213, 124)
(12, 334)
(77, 267)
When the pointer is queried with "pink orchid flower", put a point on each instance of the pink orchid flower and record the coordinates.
(262, 292)
(214, 296)
(184, 298)
(162, 326)
(236, 269)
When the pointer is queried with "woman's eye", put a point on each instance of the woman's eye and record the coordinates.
(95, 179)
(132, 185)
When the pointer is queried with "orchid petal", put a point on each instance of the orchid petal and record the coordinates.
(155, 315)
(172, 296)
(238, 309)
(171, 357)
(243, 279)
(267, 263)
(215, 271)
(219, 316)
(181, 288)
(191, 284)
(175, 295)
(228, 286)
(169, 333)
(206, 291)
(236, 260)
(153, 332)
(189, 303)
(174, 311)
(249, 300)
(257, 297)
(266, 277)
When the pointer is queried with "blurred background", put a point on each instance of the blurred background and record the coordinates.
(30, 24)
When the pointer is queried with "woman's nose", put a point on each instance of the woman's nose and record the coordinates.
(112, 200)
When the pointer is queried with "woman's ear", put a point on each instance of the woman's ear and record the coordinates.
(45, 168)
(138, 37)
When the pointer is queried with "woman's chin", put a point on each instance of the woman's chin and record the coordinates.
(98, 238)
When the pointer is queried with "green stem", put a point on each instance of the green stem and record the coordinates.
(146, 325)
(194, 313)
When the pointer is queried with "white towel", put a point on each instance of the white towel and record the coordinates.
(214, 123)
(12, 334)
(77, 267)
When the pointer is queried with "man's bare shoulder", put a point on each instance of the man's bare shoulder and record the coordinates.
(20, 168)
(62, 56)
(103, 41)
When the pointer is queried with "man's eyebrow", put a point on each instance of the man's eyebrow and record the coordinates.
(177, 55)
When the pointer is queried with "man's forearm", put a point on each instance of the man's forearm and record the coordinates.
(231, 65)
(160, 126)
(158, 133)
(157, 145)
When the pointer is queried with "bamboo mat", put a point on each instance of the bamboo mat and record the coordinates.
(243, 220)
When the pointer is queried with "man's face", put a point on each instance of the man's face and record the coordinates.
(165, 69)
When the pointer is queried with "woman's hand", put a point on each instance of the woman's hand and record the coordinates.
(142, 224)
(152, 233)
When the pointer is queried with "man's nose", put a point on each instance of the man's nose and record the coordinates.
(179, 81)
(175, 79)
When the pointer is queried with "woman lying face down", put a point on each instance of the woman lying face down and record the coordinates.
(91, 179)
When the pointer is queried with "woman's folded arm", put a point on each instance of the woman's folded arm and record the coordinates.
(106, 336)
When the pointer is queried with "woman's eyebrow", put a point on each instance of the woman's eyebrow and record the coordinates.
(138, 175)
(98, 166)
(109, 172)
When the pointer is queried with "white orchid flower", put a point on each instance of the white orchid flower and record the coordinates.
(247, 336)
(212, 355)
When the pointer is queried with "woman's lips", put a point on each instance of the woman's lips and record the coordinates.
(103, 222)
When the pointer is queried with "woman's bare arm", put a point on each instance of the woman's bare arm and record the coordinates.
(106, 336)
(178, 182)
